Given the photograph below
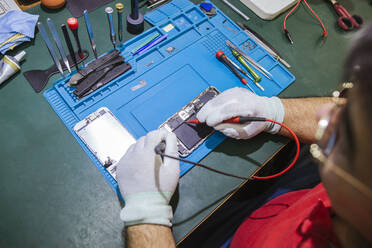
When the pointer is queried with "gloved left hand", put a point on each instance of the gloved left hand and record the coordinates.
(146, 182)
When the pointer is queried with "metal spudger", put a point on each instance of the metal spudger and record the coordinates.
(109, 12)
(90, 33)
(41, 28)
(58, 42)
(69, 45)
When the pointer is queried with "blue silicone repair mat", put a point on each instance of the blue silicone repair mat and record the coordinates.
(170, 75)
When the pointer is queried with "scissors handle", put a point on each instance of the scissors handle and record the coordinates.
(347, 21)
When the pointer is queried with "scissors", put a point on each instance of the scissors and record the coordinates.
(346, 21)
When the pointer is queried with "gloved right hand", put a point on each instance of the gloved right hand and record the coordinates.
(241, 102)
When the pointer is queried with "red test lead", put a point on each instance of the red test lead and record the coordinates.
(241, 119)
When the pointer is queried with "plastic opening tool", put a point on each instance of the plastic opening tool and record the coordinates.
(41, 28)
(58, 42)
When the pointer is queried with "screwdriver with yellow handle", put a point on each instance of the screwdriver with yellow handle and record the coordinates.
(256, 77)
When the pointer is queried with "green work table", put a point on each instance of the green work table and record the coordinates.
(53, 196)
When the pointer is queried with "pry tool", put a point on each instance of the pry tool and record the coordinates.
(90, 33)
(50, 47)
(69, 45)
(109, 12)
(119, 9)
(73, 24)
(222, 57)
(57, 40)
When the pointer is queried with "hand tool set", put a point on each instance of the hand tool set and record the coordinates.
(97, 73)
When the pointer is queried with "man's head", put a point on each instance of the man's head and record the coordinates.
(352, 151)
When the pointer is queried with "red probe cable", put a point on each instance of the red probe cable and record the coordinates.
(161, 147)
(295, 158)
(325, 32)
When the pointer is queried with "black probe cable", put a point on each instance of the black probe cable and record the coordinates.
(160, 148)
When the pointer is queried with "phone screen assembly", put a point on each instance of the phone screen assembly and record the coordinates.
(105, 137)
(190, 136)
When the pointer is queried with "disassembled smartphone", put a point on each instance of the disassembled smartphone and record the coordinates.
(190, 136)
(105, 137)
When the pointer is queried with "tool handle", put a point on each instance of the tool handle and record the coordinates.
(256, 77)
(89, 27)
(73, 24)
(346, 20)
(237, 120)
(241, 120)
(134, 9)
(109, 11)
(152, 44)
(119, 9)
(69, 45)
(222, 57)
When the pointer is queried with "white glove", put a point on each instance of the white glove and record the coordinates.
(241, 102)
(146, 182)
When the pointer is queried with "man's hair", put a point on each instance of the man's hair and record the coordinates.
(358, 66)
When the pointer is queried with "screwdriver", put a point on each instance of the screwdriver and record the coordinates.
(119, 9)
(238, 120)
(73, 24)
(256, 77)
(109, 11)
(222, 57)
(90, 33)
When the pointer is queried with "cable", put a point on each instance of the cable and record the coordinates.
(161, 147)
(286, 32)
(295, 158)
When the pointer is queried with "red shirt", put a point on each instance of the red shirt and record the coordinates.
(296, 219)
